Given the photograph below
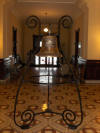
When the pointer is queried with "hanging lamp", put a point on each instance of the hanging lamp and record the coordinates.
(45, 29)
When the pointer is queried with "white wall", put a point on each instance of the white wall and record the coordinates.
(10, 22)
(7, 22)
(93, 51)
(76, 25)
(81, 23)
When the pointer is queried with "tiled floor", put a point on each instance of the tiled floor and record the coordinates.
(62, 96)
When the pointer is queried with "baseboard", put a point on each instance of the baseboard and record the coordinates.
(92, 81)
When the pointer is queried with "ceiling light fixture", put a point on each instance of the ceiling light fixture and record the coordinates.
(46, 27)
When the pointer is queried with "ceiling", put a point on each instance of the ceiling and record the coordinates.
(53, 8)
(48, 1)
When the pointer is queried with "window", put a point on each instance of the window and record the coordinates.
(42, 60)
(36, 60)
(40, 43)
(49, 60)
(55, 61)
(46, 61)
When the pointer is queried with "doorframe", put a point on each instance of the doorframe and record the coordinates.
(14, 39)
(77, 35)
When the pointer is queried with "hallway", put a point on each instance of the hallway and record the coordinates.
(73, 30)
(62, 96)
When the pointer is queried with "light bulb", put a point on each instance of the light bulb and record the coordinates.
(46, 29)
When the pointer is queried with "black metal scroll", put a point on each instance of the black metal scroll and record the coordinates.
(28, 116)
(68, 116)
(66, 21)
(33, 21)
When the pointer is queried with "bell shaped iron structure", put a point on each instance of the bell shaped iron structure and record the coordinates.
(49, 47)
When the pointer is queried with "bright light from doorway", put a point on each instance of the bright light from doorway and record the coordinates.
(40, 43)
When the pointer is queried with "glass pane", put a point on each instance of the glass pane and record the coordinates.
(40, 43)
(42, 60)
(55, 61)
(36, 60)
(49, 60)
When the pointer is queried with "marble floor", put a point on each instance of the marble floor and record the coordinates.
(62, 96)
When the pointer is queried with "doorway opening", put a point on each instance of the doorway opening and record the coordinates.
(77, 32)
(14, 44)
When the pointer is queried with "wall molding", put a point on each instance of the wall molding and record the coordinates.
(92, 81)
(47, 1)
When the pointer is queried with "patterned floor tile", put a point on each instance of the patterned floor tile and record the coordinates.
(62, 97)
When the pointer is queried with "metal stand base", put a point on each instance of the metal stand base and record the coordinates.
(64, 117)
(28, 116)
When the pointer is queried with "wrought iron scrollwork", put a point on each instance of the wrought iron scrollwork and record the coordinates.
(66, 21)
(69, 117)
(33, 21)
(27, 117)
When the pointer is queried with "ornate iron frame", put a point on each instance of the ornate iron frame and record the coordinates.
(68, 116)
(32, 22)
(28, 115)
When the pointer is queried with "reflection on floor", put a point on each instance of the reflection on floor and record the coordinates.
(62, 96)
(40, 75)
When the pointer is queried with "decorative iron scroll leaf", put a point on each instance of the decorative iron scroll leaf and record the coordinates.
(66, 21)
(32, 21)
(69, 117)
(27, 116)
